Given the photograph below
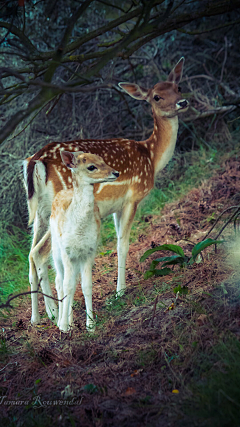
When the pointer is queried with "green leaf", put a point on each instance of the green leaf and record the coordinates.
(148, 274)
(163, 272)
(90, 388)
(165, 258)
(202, 245)
(173, 248)
(160, 272)
(182, 290)
(177, 260)
(153, 265)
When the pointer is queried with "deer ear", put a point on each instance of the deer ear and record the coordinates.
(134, 91)
(176, 74)
(69, 159)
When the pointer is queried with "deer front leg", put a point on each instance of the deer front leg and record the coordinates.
(123, 222)
(56, 253)
(71, 270)
(86, 281)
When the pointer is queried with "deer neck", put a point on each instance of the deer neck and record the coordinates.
(83, 197)
(162, 142)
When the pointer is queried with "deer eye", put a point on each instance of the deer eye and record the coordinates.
(179, 89)
(157, 98)
(91, 168)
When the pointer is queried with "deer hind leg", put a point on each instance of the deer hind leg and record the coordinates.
(123, 222)
(33, 277)
(86, 282)
(38, 273)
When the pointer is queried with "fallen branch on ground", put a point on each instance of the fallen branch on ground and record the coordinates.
(10, 298)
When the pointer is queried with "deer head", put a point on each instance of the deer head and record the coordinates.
(165, 97)
(88, 168)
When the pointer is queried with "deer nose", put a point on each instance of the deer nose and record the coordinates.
(183, 104)
(115, 173)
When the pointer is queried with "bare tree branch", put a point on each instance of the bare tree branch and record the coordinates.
(143, 22)
(208, 30)
(23, 39)
(201, 115)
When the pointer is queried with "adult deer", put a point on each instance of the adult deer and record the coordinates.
(138, 163)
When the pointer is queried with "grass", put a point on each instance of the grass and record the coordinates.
(14, 249)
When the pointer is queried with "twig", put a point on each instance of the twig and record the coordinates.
(228, 209)
(9, 363)
(224, 61)
(230, 219)
(7, 304)
(30, 121)
(217, 110)
(154, 312)
(199, 76)
(207, 30)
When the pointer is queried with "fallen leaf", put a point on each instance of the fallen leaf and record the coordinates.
(202, 319)
(130, 391)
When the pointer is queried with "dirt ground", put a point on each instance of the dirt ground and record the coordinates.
(135, 369)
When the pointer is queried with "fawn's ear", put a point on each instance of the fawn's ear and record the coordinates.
(134, 90)
(69, 159)
(176, 74)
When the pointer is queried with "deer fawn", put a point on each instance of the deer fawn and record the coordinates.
(137, 161)
(74, 230)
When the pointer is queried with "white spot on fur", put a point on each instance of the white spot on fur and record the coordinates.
(60, 177)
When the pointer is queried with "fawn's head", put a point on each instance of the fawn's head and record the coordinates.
(165, 97)
(89, 168)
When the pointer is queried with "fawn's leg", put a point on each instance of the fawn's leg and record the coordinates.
(86, 282)
(57, 259)
(71, 272)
